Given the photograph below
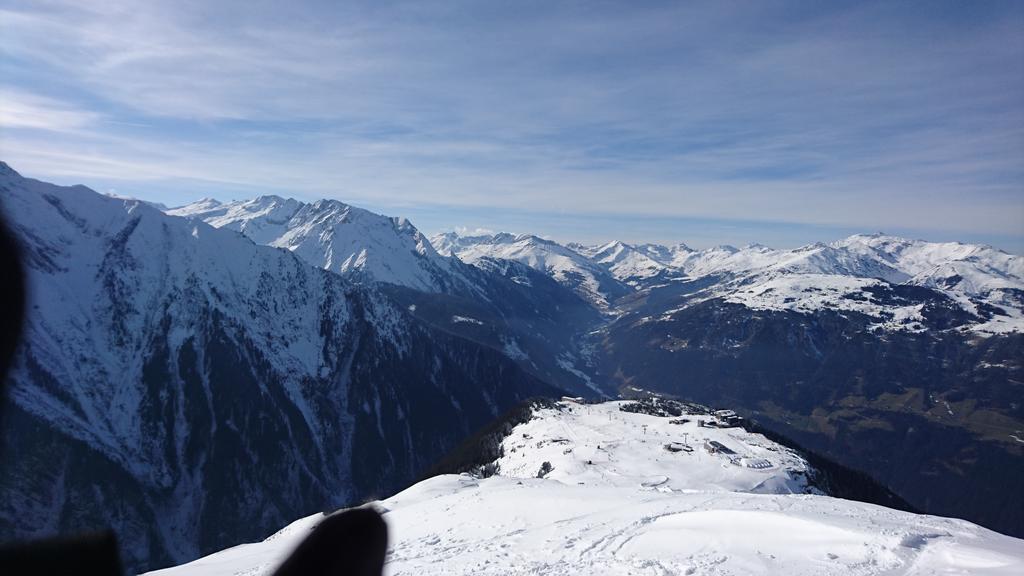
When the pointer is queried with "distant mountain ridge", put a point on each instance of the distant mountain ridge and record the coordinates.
(337, 237)
(588, 279)
(986, 283)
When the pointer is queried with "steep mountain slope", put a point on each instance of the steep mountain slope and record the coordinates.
(337, 237)
(614, 500)
(572, 269)
(193, 389)
(532, 320)
(526, 315)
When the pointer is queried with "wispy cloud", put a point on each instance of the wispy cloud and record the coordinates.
(868, 115)
(20, 109)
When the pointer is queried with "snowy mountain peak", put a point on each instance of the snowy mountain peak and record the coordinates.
(810, 247)
(530, 239)
(632, 265)
(986, 283)
(501, 237)
(270, 199)
(587, 278)
(445, 242)
(615, 246)
(955, 267)
(7, 171)
(336, 236)
(201, 205)
(670, 251)
(724, 248)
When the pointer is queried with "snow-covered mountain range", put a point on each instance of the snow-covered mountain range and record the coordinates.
(592, 489)
(169, 350)
(986, 283)
(636, 264)
(856, 348)
(514, 309)
(587, 278)
(192, 389)
(336, 237)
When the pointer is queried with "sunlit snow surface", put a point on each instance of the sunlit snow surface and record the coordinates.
(637, 508)
(334, 236)
(588, 278)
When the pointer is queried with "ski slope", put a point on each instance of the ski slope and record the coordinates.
(637, 508)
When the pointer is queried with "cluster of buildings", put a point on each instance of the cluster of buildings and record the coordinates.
(721, 419)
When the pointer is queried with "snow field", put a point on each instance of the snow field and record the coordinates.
(639, 509)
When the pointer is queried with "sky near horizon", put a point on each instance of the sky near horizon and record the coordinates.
(704, 122)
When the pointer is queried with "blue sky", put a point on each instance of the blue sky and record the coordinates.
(703, 122)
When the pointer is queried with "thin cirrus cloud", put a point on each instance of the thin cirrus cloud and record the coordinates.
(30, 111)
(730, 118)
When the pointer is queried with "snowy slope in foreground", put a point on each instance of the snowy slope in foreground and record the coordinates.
(640, 509)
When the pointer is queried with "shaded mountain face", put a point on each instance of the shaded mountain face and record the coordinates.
(520, 312)
(526, 315)
(194, 390)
